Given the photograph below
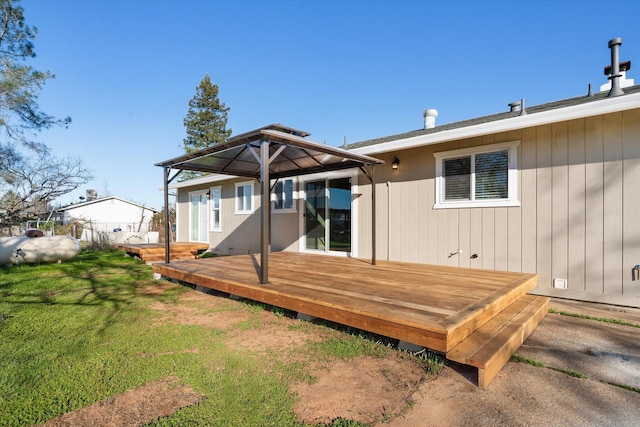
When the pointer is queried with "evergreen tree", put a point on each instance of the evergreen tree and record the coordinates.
(20, 84)
(30, 175)
(206, 120)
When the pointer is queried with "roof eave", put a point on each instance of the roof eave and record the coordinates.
(605, 106)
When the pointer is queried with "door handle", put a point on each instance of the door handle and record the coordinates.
(635, 272)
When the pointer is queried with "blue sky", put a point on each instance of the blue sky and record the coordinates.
(126, 70)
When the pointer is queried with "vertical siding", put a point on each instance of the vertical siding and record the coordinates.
(528, 199)
(594, 204)
(631, 197)
(579, 217)
(613, 204)
(576, 199)
(544, 206)
(559, 201)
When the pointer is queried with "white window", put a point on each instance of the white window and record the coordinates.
(484, 176)
(244, 197)
(216, 195)
(283, 195)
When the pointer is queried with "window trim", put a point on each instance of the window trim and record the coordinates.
(212, 209)
(511, 200)
(294, 196)
(251, 208)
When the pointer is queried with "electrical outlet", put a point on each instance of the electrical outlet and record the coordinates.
(560, 283)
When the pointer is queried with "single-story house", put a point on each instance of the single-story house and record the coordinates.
(550, 189)
(108, 214)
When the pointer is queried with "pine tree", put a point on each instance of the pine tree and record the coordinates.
(206, 120)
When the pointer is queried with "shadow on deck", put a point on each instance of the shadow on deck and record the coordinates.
(475, 317)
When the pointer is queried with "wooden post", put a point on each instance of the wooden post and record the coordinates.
(265, 217)
(167, 226)
(373, 215)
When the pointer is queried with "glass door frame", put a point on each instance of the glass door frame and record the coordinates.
(202, 194)
(326, 177)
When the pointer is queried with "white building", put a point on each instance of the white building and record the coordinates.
(108, 215)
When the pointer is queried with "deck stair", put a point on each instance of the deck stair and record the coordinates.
(491, 346)
(150, 253)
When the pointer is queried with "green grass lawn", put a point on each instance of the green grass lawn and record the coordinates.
(72, 334)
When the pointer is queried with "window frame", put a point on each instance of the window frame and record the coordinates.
(274, 197)
(512, 176)
(212, 191)
(244, 211)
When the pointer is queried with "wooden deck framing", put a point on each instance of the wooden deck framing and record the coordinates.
(155, 252)
(476, 317)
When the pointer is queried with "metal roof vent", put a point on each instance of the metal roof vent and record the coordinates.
(430, 118)
(517, 106)
(614, 71)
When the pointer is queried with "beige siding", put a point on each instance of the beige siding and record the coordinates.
(594, 204)
(240, 233)
(543, 207)
(528, 195)
(576, 205)
(631, 199)
(613, 204)
(579, 220)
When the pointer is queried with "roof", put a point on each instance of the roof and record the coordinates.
(582, 106)
(100, 200)
(290, 154)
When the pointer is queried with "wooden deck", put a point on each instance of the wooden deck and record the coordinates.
(155, 252)
(476, 317)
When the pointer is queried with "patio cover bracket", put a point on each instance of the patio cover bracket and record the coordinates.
(174, 176)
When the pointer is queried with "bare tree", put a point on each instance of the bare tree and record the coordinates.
(30, 183)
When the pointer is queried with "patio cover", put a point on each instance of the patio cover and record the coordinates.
(271, 152)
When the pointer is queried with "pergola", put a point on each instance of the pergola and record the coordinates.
(271, 152)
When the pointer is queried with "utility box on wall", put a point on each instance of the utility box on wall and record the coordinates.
(560, 283)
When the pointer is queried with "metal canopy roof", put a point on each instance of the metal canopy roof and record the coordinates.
(290, 154)
(271, 152)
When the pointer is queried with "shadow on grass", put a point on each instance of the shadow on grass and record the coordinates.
(103, 279)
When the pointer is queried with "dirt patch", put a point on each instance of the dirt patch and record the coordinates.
(364, 389)
(133, 408)
(271, 333)
(195, 308)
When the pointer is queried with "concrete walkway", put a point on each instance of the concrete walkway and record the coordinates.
(605, 358)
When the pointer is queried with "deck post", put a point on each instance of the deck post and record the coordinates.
(265, 218)
(167, 226)
(373, 215)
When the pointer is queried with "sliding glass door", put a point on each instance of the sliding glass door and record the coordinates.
(328, 215)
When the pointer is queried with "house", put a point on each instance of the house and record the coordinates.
(550, 189)
(107, 216)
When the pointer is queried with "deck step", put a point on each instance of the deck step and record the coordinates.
(491, 346)
(150, 253)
